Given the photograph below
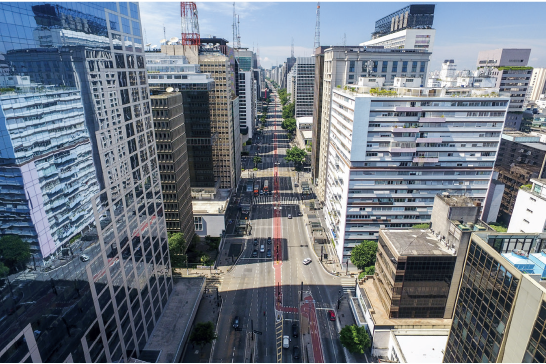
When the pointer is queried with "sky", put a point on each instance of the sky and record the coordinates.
(462, 28)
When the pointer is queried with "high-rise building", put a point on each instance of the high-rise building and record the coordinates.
(247, 103)
(537, 84)
(175, 71)
(172, 154)
(407, 28)
(527, 216)
(317, 112)
(304, 76)
(344, 65)
(509, 66)
(102, 300)
(216, 58)
(500, 314)
(390, 155)
(521, 157)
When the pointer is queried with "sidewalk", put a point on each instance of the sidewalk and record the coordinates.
(345, 318)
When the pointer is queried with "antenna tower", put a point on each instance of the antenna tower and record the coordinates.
(164, 33)
(317, 28)
(238, 33)
(234, 26)
(292, 51)
(190, 24)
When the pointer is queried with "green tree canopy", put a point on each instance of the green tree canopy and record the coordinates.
(203, 333)
(177, 243)
(289, 124)
(295, 155)
(288, 110)
(4, 271)
(369, 271)
(257, 160)
(355, 338)
(363, 255)
(13, 251)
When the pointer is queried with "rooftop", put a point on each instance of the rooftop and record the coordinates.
(415, 352)
(381, 318)
(409, 242)
(538, 146)
(213, 206)
(457, 200)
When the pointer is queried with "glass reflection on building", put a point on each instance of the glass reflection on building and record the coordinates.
(80, 184)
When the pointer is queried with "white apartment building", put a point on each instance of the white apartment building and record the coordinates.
(344, 65)
(304, 85)
(291, 84)
(389, 155)
(247, 102)
(537, 84)
(528, 215)
(448, 76)
(405, 39)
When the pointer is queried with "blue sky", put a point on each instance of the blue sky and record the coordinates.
(462, 28)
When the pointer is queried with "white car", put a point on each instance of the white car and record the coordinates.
(84, 257)
(286, 341)
(306, 261)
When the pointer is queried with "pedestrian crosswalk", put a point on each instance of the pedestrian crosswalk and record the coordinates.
(348, 285)
(283, 199)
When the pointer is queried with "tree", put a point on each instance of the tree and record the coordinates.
(14, 251)
(369, 271)
(203, 333)
(363, 255)
(295, 155)
(288, 111)
(257, 160)
(355, 339)
(4, 271)
(289, 124)
(177, 243)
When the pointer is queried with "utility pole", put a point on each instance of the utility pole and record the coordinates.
(252, 328)
(317, 28)
(301, 292)
(321, 250)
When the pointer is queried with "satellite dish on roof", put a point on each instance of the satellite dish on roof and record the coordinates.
(163, 40)
(169, 42)
(148, 44)
(174, 39)
(177, 89)
(154, 46)
(169, 89)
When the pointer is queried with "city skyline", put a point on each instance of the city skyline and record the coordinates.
(455, 38)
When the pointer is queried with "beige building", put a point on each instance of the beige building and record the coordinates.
(536, 84)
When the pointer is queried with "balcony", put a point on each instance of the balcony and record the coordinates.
(428, 140)
(425, 159)
(395, 129)
(432, 120)
(407, 108)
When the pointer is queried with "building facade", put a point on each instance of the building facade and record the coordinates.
(537, 84)
(172, 155)
(389, 156)
(344, 65)
(317, 113)
(500, 312)
(102, 301)
(527, 216)
(304, 87)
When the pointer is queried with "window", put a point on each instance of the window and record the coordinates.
(395, 66)
(414, 67)
(526, 221)
(198, 222)
(384, 66)
(351, 66)
(405, 66)
(529, 211)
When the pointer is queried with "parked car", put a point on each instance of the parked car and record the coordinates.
(255, 254)
(268, 253)
(262, 248)
(296, 352)
(84, 257)
(255, 241)
(295, 330)
(331, 315)
(307, 261)
(286, 341)
(269, 240)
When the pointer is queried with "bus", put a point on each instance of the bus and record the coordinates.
(249, 186)
(256, 188)
(266, 186)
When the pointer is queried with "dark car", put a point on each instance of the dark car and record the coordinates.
(255, 241)
(255, 254)
(296, 352)
(331, 315)
(268, 254)
(269, 240)
(295, 330)
(236, 322)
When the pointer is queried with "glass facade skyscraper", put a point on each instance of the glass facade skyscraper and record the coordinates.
(79, 170)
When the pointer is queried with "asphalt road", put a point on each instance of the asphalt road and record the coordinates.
(258, 285)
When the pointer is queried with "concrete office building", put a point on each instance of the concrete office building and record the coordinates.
(174, 71)
(509, 66)
(344, 65)
(247, 104)
(537, 85)
(317, 113)
(304, 74)
(218, 59)
(501, 304)
(407, 28)
(528, 215)
(101, 306)
(291, 84)
(172, 155)
(390, 155)
(521, 157)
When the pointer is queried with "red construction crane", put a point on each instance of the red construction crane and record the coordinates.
(190, 24)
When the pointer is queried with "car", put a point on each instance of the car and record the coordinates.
(296, 185)
(84, 257)
(331, 315)
(268, 253)
(255, 241)
(300, 213)
(261, 193)
(254, 253)
(295, 330)
(296, 352)
(289, 216)
(286, 341)
(307, 261)
(262, 248)
(269, 240)
(236, 322)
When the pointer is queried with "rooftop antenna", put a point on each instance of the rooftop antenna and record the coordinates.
(238, 33)
(292, 51)
(190, 24)
(164, 33)
(317, 28)
(233, 26)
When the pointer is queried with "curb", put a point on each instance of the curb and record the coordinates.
(237, 260)
(310, 245)
(216, 331)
